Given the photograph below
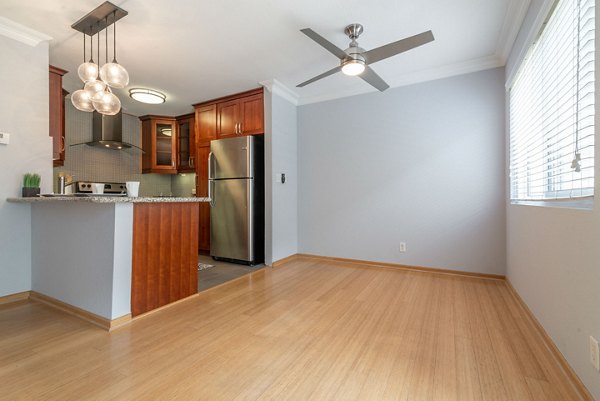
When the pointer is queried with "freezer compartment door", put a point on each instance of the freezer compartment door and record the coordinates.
(231, 222)
(232, 157)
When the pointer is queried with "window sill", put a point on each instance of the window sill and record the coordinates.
(581, 204)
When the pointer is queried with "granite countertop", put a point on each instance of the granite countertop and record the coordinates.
(106, 199)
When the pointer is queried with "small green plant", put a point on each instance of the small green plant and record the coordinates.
(31, 180)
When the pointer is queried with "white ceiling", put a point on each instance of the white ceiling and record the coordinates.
(196, 50)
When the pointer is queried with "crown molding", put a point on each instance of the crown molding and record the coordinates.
(279, 89)
(513, 20)
(21, 33)
(432, 74)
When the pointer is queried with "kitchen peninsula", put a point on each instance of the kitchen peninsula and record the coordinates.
(111, 258)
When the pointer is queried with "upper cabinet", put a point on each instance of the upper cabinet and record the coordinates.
(206, 124)
(159, 142)
(186, 143)
(57, 115)
(241, 114)
(252, 119)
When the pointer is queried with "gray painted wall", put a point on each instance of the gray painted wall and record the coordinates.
(85, 265)
(422, 164)
(285, 195)
(23, 114)
(281, 156)
(553, 258)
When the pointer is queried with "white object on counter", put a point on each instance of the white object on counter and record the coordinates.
(133, 188)
(97, 188)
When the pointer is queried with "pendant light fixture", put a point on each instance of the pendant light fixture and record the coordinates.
(96, 93)
(88, 70)
(113, 73)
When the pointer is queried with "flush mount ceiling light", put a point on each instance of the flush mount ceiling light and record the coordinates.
(96, 93)
(147, 96)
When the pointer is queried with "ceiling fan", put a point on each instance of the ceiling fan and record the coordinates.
(356, 60)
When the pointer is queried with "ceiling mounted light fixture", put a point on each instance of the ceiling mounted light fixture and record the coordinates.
(353, 67)
(96, 93)
(147, 95)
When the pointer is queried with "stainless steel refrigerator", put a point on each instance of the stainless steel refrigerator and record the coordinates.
(236, 189)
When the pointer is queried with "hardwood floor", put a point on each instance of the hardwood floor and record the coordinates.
(306, 331)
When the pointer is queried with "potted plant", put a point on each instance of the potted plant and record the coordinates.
(31, 185)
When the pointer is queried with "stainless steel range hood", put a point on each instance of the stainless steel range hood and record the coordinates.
(107, 132)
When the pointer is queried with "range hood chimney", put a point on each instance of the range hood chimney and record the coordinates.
(107, 132)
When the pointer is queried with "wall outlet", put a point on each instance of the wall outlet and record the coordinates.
(4, 138)
(403, 247)
(594, 354)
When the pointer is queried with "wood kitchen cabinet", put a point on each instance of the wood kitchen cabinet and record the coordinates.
(186, 143)
(159, 144)
(206, 124)
(57, 115)
(202, 191)
(240, 114)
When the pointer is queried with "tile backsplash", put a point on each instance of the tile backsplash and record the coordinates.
(94, 164)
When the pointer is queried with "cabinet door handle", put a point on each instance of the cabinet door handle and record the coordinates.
(236, 128)
(241, 132)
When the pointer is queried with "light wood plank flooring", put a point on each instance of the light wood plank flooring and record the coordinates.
(306, 331)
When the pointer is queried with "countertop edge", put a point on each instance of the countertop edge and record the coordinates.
(108, 199)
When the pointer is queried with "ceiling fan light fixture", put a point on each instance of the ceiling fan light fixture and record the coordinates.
(148, 96)
(353, 67)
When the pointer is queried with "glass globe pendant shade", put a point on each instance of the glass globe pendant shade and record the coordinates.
(95, 88)
(88, 71)
(108, 103)
(82, 100)
(113, 74)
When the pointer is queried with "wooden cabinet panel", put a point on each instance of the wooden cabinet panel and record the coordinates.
(202, 191)
(228, 118)
(186, 143)
(252, 120)
(241, 114)
(159, 144)
(165, 254)
(57, 115)
(206, 124)
(204, 228)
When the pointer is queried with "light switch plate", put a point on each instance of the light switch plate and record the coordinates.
(4, 138)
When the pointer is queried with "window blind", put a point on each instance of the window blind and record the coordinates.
(551, 112)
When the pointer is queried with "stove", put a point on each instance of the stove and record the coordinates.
(85, 187)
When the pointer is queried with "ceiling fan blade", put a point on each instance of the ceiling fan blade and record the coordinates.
(323, 75)
(373, 79)
(336, 51)
(402, 45)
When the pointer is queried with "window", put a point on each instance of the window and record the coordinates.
(552, 109)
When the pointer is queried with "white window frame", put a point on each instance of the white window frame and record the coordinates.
(585, 202)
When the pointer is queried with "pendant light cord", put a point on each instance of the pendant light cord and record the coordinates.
(91, 46)
(106, 39)
(84, 58)
(114, 37)
(98, 50)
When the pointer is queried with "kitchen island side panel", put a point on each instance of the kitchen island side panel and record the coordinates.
(72, 254)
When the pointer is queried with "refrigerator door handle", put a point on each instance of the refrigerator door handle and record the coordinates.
(210, 180)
